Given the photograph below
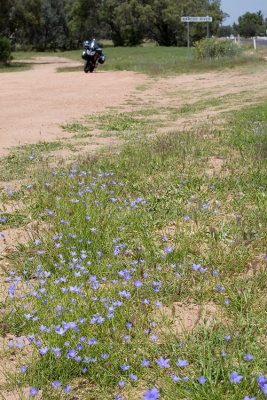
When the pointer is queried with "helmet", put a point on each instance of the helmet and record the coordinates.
(87, 43)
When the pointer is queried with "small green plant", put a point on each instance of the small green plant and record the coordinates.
(81, 135)
(75, 128)
(5, 50)
(217, 48)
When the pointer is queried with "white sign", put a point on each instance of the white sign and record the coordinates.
(196, 19)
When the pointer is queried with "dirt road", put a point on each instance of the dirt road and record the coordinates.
(34, 103)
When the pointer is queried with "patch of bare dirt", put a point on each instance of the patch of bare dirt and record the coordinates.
(11, 361)
(10, 207)
(230, 87)
(215, 165)
(9, 238)
(35, 103)
(186, 317)
(255, 266)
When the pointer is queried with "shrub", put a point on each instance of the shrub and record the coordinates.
(218, 48)
(5, 50)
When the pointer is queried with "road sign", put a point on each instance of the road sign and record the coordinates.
(196, 19)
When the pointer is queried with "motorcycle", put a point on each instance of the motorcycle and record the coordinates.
(92, 56)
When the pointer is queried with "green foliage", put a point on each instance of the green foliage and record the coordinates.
(225, 232)
(54, 32)
(217, 48)
(132, 19)
(84, 19)
(251, 24)
(166, 27)
(226, 30)
(65, 24)
(5, 50)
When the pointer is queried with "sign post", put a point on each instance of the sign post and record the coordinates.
(188, 43)
(196, 19)
(208, 39)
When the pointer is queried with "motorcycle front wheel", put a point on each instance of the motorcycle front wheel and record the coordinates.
(86, 66)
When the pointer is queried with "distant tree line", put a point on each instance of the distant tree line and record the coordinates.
(249, 24)
(65, 24)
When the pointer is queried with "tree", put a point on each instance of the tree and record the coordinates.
(251, 24)
(18, 18)
(128, 21)
(53, 32)
(4, 17)
(167, 28)
(5, 50)
(84, 19)
(159, 20)
(225, 30)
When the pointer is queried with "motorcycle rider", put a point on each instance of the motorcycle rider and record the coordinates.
(92, 46)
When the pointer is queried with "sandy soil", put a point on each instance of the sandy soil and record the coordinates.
(33, 104)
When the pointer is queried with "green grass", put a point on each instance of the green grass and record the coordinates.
(154, 60)
(148, 211)
(25, 160)
(122, 121)
(79, 129)
(15, 67)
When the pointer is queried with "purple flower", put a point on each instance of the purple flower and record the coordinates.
(138, 283)
(201, 379)
(249, 357)
(261, 380)
(168, 249)
(249, 398)
(124, 367)
(56, 384)
(67, 389)
(235, 377)
(175, 378)
(33, 391)
(121, 383)
(182, 363)
(23, 369)
(133, 377)
(145, 362)
(163, 363)
(227, 337)
(44, 350)
(152, 394)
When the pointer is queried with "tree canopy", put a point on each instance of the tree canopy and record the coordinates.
(64, 24)
(251, 24)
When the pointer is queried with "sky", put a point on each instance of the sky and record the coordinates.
(235, 8)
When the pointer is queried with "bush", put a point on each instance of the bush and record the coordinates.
(218, 48)
(5, 50)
